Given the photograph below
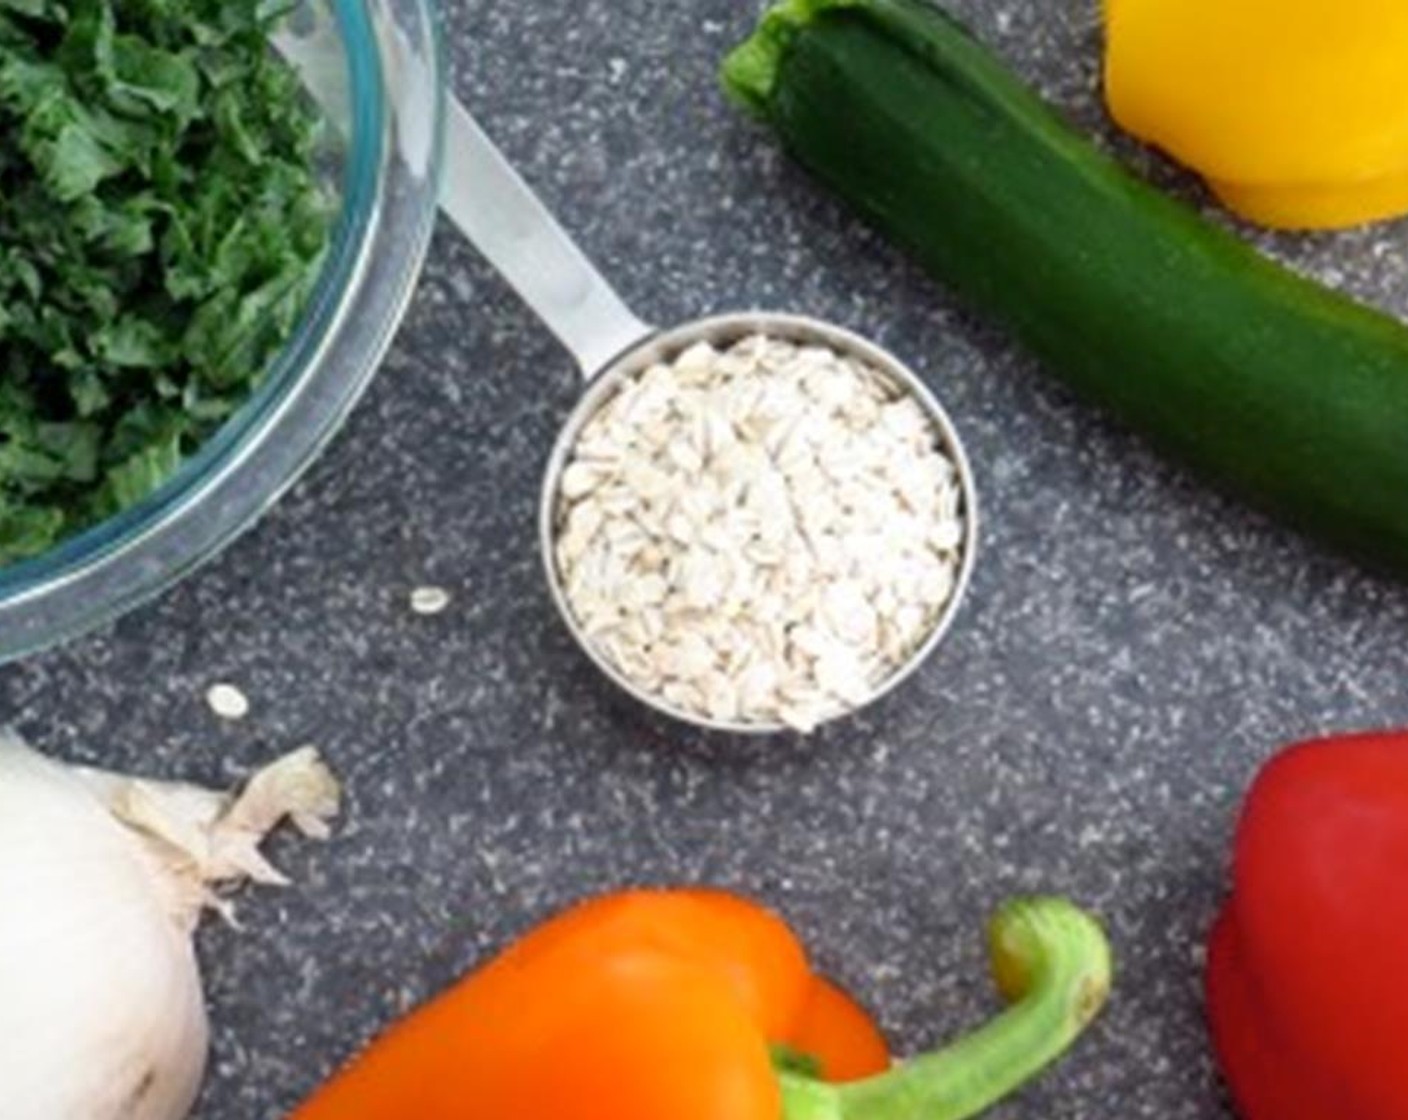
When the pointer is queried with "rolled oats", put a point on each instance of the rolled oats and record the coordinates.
(762, 534)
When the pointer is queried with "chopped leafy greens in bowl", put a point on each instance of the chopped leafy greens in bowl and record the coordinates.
(162, 224)
(201, 267)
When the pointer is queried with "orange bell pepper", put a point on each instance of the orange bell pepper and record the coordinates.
(699, 1005)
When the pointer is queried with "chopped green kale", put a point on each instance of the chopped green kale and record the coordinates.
(162, 224)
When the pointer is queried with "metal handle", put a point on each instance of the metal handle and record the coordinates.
(488, 200)
(493, 207)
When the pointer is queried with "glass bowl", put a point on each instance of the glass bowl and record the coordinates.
(375, 67)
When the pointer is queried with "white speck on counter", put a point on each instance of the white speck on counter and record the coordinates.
(227, 701)
(429, 600)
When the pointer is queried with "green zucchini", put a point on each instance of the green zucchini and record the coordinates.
(1277, 388)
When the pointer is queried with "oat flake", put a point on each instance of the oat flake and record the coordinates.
(227, 701)
(429, 600)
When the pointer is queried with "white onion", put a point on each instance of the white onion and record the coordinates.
(102, 882)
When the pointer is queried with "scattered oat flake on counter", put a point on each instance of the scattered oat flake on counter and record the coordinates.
(429, 600)
(760, 535)
(227, 701)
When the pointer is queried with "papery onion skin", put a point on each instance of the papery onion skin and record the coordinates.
(102, 1014)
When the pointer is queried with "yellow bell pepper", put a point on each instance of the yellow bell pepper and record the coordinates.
(1296, 111)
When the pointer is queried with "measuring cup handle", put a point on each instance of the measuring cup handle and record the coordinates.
(492, 205)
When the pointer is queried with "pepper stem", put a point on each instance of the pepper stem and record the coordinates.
(1052, 963)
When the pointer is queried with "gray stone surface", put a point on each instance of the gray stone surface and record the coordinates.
(1133, 648)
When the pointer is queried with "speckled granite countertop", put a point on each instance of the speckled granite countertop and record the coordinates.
(1133, 646)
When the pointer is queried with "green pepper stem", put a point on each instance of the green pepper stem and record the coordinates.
(1052, 963)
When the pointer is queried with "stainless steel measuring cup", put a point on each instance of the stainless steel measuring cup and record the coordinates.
(488, 200)
(497, 211)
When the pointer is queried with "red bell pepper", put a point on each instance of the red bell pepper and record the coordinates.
(1308, 966)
